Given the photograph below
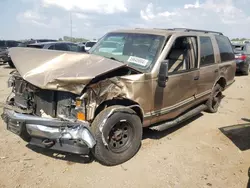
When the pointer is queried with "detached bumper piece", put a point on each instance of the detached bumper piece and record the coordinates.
(72, 137)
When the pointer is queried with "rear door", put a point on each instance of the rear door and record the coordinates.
(227, 66)
(209, 69)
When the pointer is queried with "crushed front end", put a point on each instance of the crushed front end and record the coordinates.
(46, 118)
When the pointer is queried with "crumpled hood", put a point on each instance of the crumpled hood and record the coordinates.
(58, 70)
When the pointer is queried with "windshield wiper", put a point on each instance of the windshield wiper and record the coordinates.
(116, 59)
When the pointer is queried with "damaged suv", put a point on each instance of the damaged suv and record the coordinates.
(99, 102)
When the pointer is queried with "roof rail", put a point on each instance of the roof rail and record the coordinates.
(198, 30)
(191, 30)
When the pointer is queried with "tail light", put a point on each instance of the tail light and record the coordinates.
(241, 57)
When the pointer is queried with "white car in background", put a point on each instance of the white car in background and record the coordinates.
(89, 45)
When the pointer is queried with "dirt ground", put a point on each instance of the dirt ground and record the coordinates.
(211, 150)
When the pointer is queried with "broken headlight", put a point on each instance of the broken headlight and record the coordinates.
(80, 109)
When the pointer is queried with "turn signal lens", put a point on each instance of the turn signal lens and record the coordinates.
(78, 102)
(80, 116)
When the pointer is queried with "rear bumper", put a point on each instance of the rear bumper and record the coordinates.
(241, 65)
(72, 137)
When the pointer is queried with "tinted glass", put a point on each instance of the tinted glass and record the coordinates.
(206, 51)
(90, 44)
(2, 43)
(35, 46)
(52, 47)
(46, 40)
(12, 44)
(74, 47)
(22, 45)
(225, 47)
(62, 47)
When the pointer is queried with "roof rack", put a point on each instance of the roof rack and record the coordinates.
(192, 30)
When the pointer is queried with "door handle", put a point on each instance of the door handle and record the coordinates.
(216, 71)
(196, 77)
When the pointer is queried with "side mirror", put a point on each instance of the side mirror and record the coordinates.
(163, 74)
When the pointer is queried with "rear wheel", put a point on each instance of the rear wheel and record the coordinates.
(214, 101)
(118, 137)
(246, 70)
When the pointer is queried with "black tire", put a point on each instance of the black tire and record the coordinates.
(115, 152)
(11, 64)
(214, 101)
(246, 70)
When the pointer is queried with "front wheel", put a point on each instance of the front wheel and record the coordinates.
(214, 101)
(118, 137)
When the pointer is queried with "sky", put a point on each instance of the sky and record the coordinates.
(24, 19)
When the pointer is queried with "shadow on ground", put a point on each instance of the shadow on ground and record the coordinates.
(239, 134)
(70, 158)
(151, 134)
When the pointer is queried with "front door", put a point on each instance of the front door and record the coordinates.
(181, 85)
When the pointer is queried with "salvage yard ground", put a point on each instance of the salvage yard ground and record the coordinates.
(211, 150)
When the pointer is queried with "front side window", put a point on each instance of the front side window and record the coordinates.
(225, 47)
(182, 55)
(206, 51)
(138, 50)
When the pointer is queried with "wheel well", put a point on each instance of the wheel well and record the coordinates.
(222, 81)
(122, 102)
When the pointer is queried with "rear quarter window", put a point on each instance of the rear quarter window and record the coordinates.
(206, 51)
(225, 48)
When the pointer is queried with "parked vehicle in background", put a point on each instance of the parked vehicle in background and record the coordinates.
(242, 56)
(4, 46)
(33, 41)
(100, 101)
(63, 46)
(82, 46)
(88, 45)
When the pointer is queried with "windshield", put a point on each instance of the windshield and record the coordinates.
(136, 49)
(90, 44)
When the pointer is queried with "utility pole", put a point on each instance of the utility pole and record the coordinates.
(70, 26)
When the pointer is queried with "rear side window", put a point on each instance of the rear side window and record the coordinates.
(206, 51)
(225, 47)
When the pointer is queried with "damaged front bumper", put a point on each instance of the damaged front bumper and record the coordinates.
(72, 137)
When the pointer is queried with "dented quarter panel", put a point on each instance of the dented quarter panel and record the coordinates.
(137, 88)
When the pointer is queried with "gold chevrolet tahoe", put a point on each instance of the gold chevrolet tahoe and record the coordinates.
(100, 101)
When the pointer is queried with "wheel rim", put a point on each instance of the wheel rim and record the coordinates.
(216, 99)
(120, 137)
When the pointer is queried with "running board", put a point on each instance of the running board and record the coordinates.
(180, 119)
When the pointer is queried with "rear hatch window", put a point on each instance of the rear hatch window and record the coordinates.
(238, 48)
